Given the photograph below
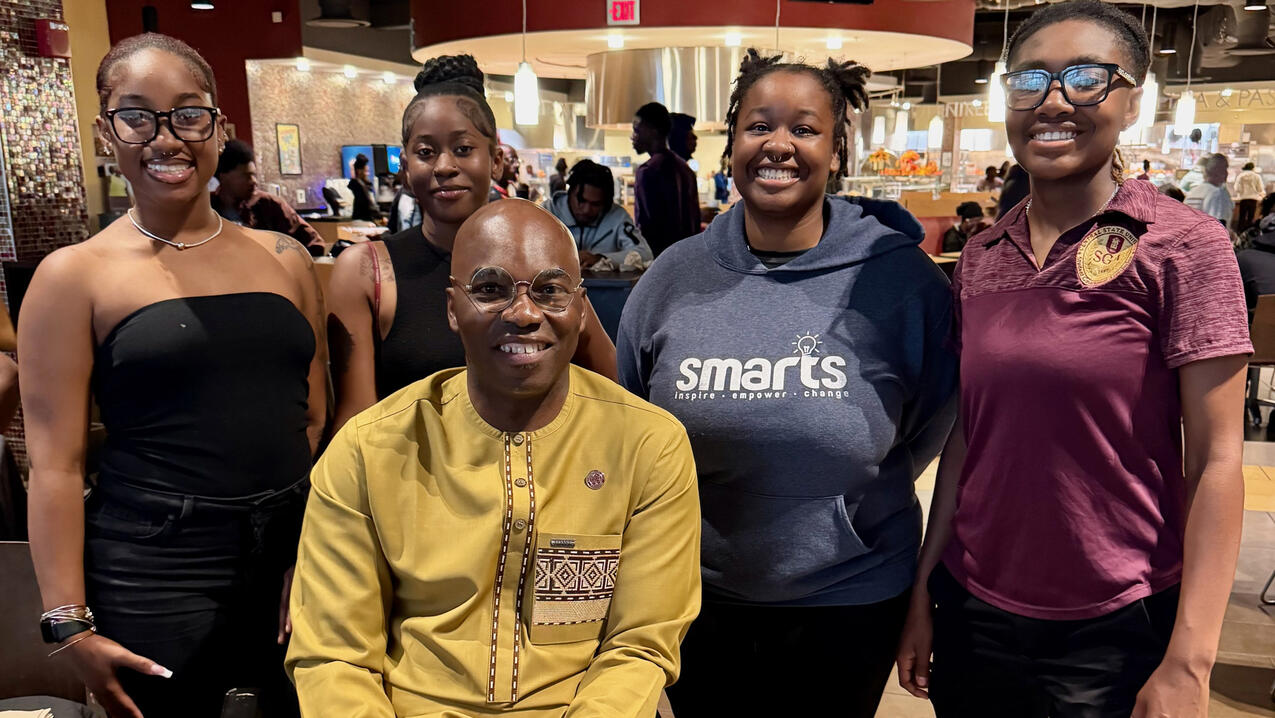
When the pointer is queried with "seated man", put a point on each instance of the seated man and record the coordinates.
(238, 198)
(519, 536)
(971, 223)
(601, 227)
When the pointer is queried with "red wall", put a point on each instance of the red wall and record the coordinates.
(438, 21)
(237, 30)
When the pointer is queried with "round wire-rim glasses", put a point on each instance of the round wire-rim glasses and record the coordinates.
(493, 289)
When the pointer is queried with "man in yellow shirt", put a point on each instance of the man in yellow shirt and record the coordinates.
(517, 537)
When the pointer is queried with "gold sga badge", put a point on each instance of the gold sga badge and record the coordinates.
(1104, 254)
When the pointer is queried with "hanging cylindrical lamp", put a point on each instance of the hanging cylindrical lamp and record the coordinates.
(899, 140)
(934, 138)
(996, 95)
(878, 130)
(1184, 115)
(526, 85)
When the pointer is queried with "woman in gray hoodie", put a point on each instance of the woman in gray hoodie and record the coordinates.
(803, 341)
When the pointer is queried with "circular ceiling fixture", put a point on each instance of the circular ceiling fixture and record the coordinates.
(201, 5)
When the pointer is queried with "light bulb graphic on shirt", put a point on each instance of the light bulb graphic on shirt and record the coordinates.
(807, 344)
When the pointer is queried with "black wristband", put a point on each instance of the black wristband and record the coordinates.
(58, 630)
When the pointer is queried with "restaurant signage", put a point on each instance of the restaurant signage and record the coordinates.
(624, 12)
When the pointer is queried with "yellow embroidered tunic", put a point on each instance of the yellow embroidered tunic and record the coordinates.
(449, 569)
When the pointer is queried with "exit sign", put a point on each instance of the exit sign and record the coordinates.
(624, 12)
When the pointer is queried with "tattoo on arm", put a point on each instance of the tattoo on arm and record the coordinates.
(283, 243)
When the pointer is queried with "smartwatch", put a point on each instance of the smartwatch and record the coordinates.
(55, 630)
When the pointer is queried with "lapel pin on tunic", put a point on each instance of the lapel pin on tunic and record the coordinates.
(595, 480)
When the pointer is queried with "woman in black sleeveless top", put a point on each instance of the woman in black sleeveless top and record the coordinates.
(203, 346)
(387, 320)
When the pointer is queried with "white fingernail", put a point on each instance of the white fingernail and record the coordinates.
(161, 671)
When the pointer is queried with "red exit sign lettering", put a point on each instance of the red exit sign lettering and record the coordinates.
(624, 12)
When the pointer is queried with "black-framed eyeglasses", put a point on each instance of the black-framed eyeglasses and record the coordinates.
(492, 289)
(1082, 85)
(139, 125)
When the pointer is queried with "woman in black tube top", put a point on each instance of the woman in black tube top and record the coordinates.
(387, 320)
(203, 346)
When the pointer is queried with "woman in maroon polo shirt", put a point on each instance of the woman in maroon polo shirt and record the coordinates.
(1076, 565)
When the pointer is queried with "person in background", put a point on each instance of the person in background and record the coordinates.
(386, 297)
(806, 463)
(405, 211)
(558, 180)
(1257, 270)
(1250, 188)
(971, 223)
(1129, 476)
(666, 197)
(202, 343)
(721, 187)
(365, 207)
(1016, 188)
(1170, 190)
(239, 199)
(991, 181)
(1195, 175)
(682, 139)
(1211, 196)
(597, 536)
(601, 228)
(1146, 171)
(505, 176)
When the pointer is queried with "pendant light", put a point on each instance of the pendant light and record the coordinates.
(526, 85)
(934, 135)
(899, 140)
(1184, 115)
(995, 90)
(878, 130)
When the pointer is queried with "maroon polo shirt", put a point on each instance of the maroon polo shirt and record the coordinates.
(1072, 500)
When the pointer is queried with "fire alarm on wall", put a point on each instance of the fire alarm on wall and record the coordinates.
(53, 38)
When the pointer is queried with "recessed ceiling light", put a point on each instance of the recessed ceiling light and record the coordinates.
(351, 71)
(980, 81)
(834, 42)
(1255, 6)
(303, 64)
(734, 39)
(201, 5)
(615, 42)
(388, 77)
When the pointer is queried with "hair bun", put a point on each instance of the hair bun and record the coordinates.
(454, 69)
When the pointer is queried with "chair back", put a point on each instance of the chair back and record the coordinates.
(1262, 331)
(25, 668)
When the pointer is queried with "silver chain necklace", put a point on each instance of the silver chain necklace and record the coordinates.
(179, 245)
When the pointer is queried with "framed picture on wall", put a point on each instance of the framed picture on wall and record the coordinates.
(289, 139)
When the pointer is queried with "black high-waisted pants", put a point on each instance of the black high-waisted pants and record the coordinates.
(194, 584)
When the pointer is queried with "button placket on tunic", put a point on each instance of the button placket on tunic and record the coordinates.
(512, 570)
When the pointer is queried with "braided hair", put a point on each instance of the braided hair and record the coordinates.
(130, 46)
(844, 81)
(458, 76)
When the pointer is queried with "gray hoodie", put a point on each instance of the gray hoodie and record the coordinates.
(814, 393)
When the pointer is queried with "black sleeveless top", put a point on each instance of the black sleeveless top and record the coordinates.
(419, 342)
(206, 395)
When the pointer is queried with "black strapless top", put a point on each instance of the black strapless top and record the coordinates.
(206, 395)
(419, 342)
